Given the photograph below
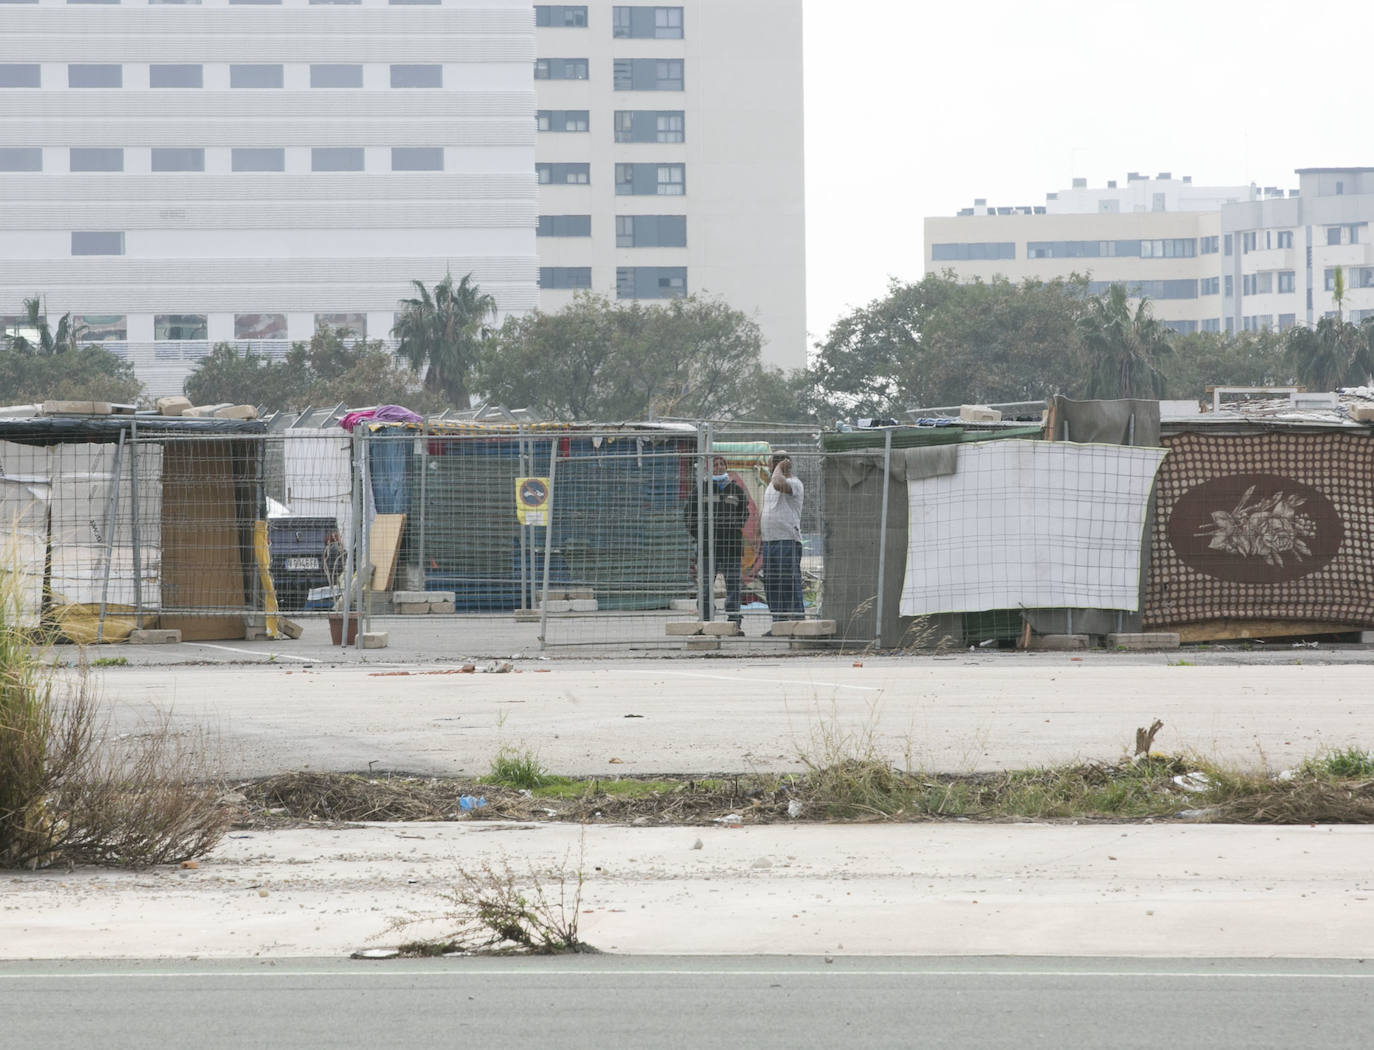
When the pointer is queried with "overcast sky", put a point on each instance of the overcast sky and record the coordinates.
(915, 107)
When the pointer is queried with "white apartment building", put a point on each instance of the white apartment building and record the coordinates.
(181, 174)
(1218, 259)
(670, 157)
(1159, 235)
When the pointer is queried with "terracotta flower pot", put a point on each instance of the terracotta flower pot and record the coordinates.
(336, 631)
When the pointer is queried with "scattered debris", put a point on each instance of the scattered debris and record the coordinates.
(376, 953)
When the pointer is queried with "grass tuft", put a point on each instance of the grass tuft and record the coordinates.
(517, 768)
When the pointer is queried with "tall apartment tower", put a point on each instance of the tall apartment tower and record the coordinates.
(188, 172)
(669, 157)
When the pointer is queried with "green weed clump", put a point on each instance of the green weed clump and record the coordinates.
(1342, 762)
(517, 768)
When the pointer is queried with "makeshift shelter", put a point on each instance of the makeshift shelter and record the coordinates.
(614, 516)
(133, 521)
(1264, 520)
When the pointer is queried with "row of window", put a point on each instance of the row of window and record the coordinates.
(631, 231)
(631, 125)
(102, 328)
(276, 3)
(627, 74)
(1165, 248)
(631, 282)
(638, 23)
(631, 180)
(241, 75)
(271, 158)
(1178, 289)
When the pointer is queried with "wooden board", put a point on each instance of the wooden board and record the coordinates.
(383, 547)
(1239, 630)
(202, 559)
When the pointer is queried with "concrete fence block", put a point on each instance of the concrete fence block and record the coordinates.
(682, 627)
(1148, 640)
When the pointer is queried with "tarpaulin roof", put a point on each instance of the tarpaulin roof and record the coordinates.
(54, 430)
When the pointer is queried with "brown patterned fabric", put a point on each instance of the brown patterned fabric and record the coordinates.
(1275, 526)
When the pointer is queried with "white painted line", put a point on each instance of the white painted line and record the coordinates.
(382, 968)
(255, 652)
(757, 681)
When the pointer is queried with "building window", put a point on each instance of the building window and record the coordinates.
(417, 76)
(1209, 245)
(336, 76)
(260, 326)
(1329, 279)
(1182, 288)
(1247, 242)
(1364, 277)
(1333, 235)
(638, 180)
(1285, 238)
(565, 277)
(179, 326)
(976, 250)
(560, 69)
(354, 325)
(1180, 327)
(564, 226)
(336, 158)
(1209, 286)
(561, 16)
(1170, 248)
(1287, 281)
(101, 159)
(1211, 324)
(1287, 321)
(417, 158)
(649, 125)
(561, 120)
(21, 158)
(268, 159)
(255, 76)
(95, 76)
(650, 282)
(563, 174)
(102, 328)
(647, 74)
(1226, 244)
(647, 23)
(651, 231)
(178, 159)
(97, 242)
(176, 76)
(1258, 322)
(20, 75)
(1227, 287)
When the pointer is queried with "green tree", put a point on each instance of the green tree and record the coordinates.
(1330, 354)
(332, 368)
(41, 363)
(1206, 359)
(1124, 348)
(942, 342)
(602, 360)
(441, 334)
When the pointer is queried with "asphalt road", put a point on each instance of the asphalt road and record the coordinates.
(757, 1002)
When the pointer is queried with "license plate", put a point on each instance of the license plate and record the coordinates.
(302, 563)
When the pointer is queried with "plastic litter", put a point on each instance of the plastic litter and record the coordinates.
(794, 808)
(730, 820)
(467, 802)
(1193, 782)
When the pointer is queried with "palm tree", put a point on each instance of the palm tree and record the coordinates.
(441, 334)
(1330, 354)
(49, 342)
(1124, 347)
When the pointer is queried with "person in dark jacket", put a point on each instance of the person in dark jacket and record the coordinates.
(726, 505)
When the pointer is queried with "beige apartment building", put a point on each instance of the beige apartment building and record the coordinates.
(669, 157)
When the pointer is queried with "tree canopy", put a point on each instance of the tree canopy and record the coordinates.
(39, 362)
(442, 334)
(599, 359)
(330, 369)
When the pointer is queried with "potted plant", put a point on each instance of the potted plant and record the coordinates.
(336, 569)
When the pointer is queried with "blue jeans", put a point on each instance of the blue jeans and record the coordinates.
(782, 583)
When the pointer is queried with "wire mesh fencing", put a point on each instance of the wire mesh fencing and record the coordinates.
(555, 535)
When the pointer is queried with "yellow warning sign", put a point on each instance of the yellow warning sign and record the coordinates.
(532, 501)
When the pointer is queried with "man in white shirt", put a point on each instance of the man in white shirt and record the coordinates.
(782, 541)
